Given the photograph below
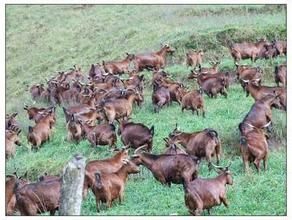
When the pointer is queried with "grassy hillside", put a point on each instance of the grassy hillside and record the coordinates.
(41, 40)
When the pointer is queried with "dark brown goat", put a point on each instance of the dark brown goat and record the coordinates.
(109, 165)
(110, 186)
(194, 58)
(74, 128)
(169, 168)
(194, 101)
(118, 67)
(201, 144)
(39, 197)
(247, 50)
(154, 60)
(96, 72)
(281, 74)
(203, 194)
(258, 92)
(160, 97)
(213, 86)
(10, 185)
(281, 47)
(253, 146)
(260, 114)
(36, 91)
(136, 135)
(103, 134)
(11, 138)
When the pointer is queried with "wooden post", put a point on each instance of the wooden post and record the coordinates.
(72, 186)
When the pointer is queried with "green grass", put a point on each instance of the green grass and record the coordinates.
(41, 40)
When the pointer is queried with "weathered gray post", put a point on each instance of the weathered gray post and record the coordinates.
(72, 186)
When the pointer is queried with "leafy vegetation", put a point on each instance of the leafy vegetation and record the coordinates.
(41, 40)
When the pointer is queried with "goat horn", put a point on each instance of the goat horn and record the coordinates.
(218, 167)
(246, 81)
(181, 149)
(139, 148)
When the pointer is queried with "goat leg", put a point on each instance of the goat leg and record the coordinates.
(224, 200)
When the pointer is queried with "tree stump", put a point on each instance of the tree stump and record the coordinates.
(72, 186)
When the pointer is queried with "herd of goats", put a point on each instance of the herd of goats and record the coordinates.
(94, 105)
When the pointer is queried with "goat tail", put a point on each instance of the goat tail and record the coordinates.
(212, 133)
(152, 130)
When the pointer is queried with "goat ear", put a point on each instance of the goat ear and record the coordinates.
(72, 117)
(14, 114)
(30, 129)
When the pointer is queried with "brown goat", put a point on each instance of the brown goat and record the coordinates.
(118, 67)
(41, 132)
(203, 194)
(37, 114)
(213, 86)
(154, 60)
(245, 74)
(201, 144)
(83, 112)
(120, 108)
(10, 185)
(110, 186)
(194, 58)
(253, 146)
(74, 128)
(281, 46)
(194, 101)
(258, 92)
(11, 138)
(281, 74)
(169, 168)
(260, 114)
(247, 50)
(136, 134)
(39, 197)
(103, 134)
(96, 72)
(36, 91)
(109, 165)
(160, 97)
